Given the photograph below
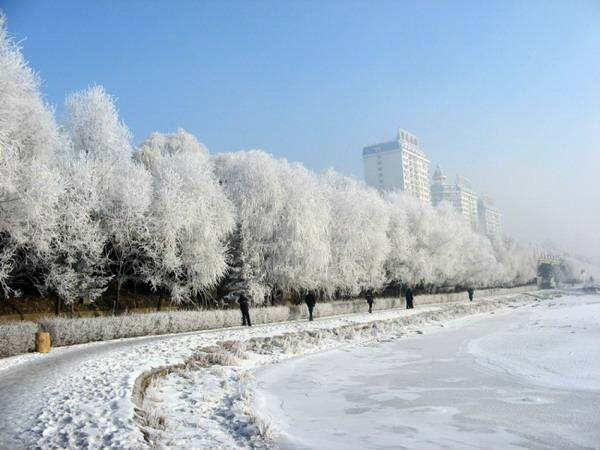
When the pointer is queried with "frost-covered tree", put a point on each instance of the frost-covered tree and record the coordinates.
(122, 187)
(399, 264)
(29, 187)
(516, 263)
(190, 217)
(439, 235)
(161, 145)
(358, 242)
(409, 259)
(435, 246)
(282, 219)
(460, 255)
(77, 268)
(301, 257)
(578, 268)
(475, 262)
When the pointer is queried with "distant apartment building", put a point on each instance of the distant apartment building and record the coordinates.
(400, 164)
(490, 217)
(460, 194)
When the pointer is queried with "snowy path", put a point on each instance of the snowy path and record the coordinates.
(526, 378)
(80, 396)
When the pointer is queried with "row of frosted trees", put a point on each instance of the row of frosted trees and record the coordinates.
(82, 208)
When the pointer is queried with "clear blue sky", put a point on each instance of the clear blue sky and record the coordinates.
(505, 92)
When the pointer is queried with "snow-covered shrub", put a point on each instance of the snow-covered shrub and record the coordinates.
(69, 331)
(17, 337)
(270, 314)
(333, 308)
(358, 305)
(336, 307)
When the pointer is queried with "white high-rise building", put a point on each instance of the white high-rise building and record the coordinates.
(398, 165)
(490, 217)
(460, 194)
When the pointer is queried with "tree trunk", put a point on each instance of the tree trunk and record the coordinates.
(116, 303)
(160, 299)
(57, 308)
(13, 306)
(274, 299)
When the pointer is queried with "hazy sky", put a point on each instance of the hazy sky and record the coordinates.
(506, 93)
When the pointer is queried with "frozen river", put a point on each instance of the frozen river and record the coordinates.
(525, 378)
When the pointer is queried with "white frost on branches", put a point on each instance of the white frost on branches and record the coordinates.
(357, 231)
(29, 187)
(77, 267)
(282, 222)
(103, 218)
(190, 217)
(436, 246)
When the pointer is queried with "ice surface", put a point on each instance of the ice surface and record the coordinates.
(555, 347)
(529, 378)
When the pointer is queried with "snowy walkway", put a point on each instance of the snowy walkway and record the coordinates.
(81, 396)
(523, 379)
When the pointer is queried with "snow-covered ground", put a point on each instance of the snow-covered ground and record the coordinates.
(82, 396)
(214, 407)
(526, 377)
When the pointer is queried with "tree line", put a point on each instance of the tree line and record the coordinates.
(82, 207)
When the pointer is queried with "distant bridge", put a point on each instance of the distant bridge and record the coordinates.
(548, 270)
(549, 259)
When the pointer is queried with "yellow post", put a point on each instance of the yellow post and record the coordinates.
(42, 342)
